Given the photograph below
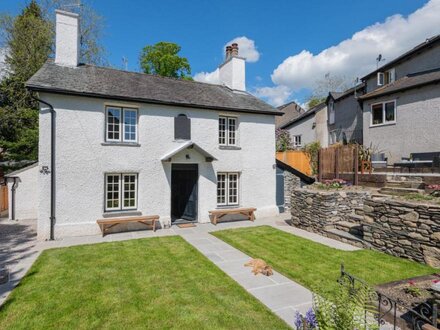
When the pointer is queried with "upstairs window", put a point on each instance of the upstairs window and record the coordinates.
(383, 113)
(387, 77)
(331, 111)
(296, 141)
(227, 131)
(182, 127)
(121, 124)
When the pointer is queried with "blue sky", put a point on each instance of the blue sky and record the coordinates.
(287, 35)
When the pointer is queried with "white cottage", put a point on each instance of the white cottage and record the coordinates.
(115, 143)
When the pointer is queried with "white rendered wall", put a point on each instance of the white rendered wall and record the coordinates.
(26, 193)
(82, 161)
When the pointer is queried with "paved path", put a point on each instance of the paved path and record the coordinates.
(283, 296)
(19, 249)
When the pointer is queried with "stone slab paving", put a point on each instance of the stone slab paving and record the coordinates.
(19, 249)
(280, 294)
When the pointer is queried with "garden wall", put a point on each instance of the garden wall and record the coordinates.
(317, 210)
(403, 229)
(291, 182)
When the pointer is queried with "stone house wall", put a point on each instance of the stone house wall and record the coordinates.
(403, 229)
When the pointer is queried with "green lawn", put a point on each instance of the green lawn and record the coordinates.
(314, 265)
(155, 283)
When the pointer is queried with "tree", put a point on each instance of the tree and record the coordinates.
(323, 86)
(91, 24)
(28, 39)
(162, 59)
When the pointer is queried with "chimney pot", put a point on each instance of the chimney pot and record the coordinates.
(234, 47)
(228, 52)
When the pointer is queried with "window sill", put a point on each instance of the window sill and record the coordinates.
(225, 207)
(229, 148)
(115, 214)
(121, 144)
(386, 124)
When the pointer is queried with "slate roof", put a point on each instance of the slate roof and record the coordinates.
(408, 82)
(428, 43)
(94, 81)
(291, 111)
(306, 114)
(339, 95)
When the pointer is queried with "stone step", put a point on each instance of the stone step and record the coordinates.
(379, 196)
(404, 177)
(345, 237)
(349, 227)
(404, 184)
(399, 191)
(359, 211)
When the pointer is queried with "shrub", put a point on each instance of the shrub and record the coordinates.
(312, 151)
(283, 140)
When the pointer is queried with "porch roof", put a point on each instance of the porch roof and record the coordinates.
(188, 145)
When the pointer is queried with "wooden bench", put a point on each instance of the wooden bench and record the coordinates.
(106, 224)
(218, 214)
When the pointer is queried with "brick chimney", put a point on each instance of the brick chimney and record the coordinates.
(67, 38)
(232, 71)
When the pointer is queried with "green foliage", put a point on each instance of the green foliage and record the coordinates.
(346, 309)
(162, 59)
(29, 41)
(312, 151)
(283, 140)
(314, 101)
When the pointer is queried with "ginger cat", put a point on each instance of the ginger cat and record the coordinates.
(259, 266)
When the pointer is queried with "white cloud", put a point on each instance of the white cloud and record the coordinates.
(246, 48)
(356, 56)
(276, 96)
(208, 77)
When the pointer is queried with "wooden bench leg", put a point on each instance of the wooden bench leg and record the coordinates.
(154, 225)
(252, 216)
(215, 220)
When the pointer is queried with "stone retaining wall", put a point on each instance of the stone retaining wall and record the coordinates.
(399, 228)
(291, 182)
(316, 210)
(403, 229)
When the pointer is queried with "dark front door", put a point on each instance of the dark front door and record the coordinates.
(184, 178)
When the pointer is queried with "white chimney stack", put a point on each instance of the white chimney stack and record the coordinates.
(67, 39)
(232, 71)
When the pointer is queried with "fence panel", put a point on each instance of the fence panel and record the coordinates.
(339, 160)
(296, 159)
(3, 198)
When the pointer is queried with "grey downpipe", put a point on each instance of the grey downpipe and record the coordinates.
(14, 186)
(52, 166)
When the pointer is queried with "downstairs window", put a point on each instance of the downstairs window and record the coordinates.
(120, 191)
(227, 189)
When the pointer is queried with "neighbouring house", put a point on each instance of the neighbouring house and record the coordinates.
(345, 116)
(116, 143)
(401, 107)
(290, 111)
(309, 127)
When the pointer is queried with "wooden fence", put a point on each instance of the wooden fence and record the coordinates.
(337, 161)
(3, 198)
(296, 159)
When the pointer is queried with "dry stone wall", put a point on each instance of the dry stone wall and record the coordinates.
(403, 229)
(316, 211)
(399, 228)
